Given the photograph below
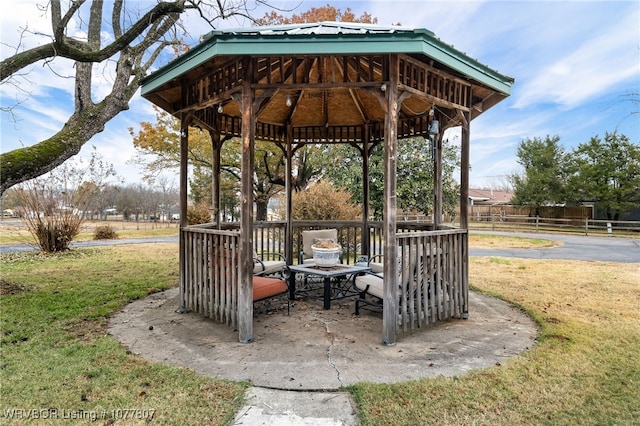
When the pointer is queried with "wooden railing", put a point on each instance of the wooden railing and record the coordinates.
(270, 237)
(433, 283)
(209, 272)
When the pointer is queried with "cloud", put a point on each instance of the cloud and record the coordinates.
(607, 57)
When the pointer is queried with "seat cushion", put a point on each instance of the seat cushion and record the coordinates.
(264, 287)
(375, 284)
(376, 267)
(270, 266)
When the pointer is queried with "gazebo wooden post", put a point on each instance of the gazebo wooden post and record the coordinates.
(365, 244)
(464, 171)
(437, 181)
(245, 289)
(184, 157)
(215, 178)
(390, 304)
(288, 189)
(464, 208)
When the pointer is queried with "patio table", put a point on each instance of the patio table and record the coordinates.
(327, 273)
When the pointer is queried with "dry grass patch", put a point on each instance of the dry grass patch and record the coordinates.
(12, 231)
(584, 370)
(489, 241)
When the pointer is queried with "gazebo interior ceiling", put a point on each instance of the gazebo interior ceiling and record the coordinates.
(336, 93)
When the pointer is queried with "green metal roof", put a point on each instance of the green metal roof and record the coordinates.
(333, 38)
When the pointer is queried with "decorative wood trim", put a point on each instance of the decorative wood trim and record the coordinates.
(433, 83)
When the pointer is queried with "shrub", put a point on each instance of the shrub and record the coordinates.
(55, 233)
(324, 202)
(54, 204)
(199, 213)
(52, 224)
(105, 232)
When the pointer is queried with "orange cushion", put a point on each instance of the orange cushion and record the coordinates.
(264, 287)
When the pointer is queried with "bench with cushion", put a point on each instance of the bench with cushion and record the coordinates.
(371, 284)
(265, 288)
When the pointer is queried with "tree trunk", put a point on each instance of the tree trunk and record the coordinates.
(261, 210)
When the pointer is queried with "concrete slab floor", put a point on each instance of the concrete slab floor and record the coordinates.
(318, 350)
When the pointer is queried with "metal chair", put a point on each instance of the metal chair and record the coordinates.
(268, 265)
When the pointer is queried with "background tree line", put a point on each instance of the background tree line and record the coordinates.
(603, 171)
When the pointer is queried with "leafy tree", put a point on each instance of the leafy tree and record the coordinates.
(543, 180)
(316, 14)
(608, 172)
(116, 37)
(158, 149)
(158, 145)
(415, 184)
(345, 171)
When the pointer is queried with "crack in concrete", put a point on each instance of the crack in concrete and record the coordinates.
(332, 338)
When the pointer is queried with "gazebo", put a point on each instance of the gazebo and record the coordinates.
(328, 82)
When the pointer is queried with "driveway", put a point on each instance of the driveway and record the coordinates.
(575, 247)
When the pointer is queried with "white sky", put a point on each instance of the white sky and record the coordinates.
(574, 62)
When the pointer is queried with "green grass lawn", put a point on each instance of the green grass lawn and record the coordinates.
(55, 352)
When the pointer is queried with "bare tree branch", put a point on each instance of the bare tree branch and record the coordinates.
(116, 14)
(67, 47)
(137, 44)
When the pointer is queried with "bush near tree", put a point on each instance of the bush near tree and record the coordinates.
(54, 206)
(105, 232)
(323, 201)
(199, 213)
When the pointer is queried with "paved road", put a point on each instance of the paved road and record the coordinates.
(16, 248)
(575, 247)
